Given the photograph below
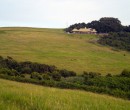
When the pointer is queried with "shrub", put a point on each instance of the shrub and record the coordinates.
(56, 76)
(46, 77)
(26, 70)
(88, 75)
(120, 40)
(75, 79)
(108, 75)
(125, 73)
(22, 75)
(66, 73)
(13, 73)
(1, 58)
(36, 75)
(5, 71)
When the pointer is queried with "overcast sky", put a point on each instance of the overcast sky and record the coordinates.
(60, 13)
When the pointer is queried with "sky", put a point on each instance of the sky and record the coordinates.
(60, 13)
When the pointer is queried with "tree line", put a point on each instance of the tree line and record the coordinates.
(104, 25)
(49, 75)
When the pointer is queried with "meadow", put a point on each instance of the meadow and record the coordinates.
(21, 96)
(66, 51)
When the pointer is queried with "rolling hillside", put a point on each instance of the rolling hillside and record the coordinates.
(53, 46)
(20, 96)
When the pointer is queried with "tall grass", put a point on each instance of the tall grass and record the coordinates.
(20, 96)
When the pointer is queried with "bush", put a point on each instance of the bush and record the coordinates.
(46, 77)
(125, 73)
(66, 73)
(36, 75)
(1, 58)
(13, 73)
(120, 40)
(88, 75)
(5, 71)
(75, 79)
(108, 75)
(56, 76)
(26, 70)
(9, 72)
(22, 75)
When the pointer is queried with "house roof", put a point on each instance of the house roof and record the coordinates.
(84, 30)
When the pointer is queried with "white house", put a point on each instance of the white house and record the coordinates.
(84, 31)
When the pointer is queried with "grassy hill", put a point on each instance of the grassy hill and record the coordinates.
(20, 96)
(53, 46)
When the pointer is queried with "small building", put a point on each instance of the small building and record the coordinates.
(84, 31)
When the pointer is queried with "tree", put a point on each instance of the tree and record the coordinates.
(104, 25)
(112, 23)
(126, 28)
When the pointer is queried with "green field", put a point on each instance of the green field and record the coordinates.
(52, 46)
(20, 96)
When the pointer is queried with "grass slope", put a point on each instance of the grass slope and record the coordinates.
(20, 96)
(53, 46)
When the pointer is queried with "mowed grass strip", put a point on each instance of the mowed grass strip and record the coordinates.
(69, 51)
(20, 96)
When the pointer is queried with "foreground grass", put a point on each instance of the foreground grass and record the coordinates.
(20, 96)
(53, 46)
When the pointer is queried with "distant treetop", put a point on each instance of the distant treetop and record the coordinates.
(104, 25)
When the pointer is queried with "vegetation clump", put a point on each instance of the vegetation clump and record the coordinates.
(120, 40)
(42, 74)
(104, 25)
(125, 73)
